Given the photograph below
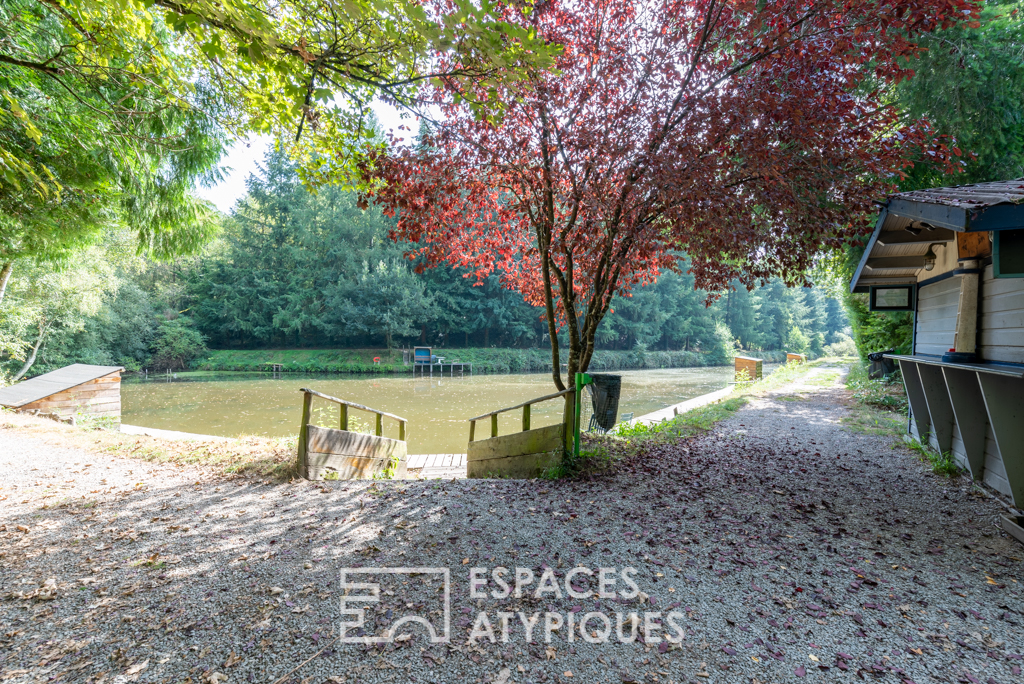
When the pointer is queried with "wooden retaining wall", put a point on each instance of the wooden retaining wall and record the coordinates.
(519, 455)
(100, 398)
(349, 455)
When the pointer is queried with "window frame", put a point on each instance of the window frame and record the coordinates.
(996, 272)
(911, 292)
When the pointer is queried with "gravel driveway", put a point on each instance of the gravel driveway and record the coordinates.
(788, 545)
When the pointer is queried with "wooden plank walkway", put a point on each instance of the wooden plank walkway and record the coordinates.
(427, 466)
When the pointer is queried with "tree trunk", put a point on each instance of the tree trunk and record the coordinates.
(5, 277)
(423, 334)
(487, 337)
(466, 345)
(31, 357)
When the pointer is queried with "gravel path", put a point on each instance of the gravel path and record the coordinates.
(791, 546)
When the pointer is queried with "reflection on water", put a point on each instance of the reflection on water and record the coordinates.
(229, 404)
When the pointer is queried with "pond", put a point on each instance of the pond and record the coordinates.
(232, 404)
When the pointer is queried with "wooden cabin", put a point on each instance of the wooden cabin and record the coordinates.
(748, 368)
(79, 389)
(954, 257)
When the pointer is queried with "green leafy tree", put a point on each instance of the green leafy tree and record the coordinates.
(385, 299)
(90, 137)
(177, 344)
(969, 82)
(797, 341)
(51, 303)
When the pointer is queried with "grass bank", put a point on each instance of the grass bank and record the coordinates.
(601, 453)
(484, 360)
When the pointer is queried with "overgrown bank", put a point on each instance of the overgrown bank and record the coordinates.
(484, 360)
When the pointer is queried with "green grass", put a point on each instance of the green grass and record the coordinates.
(484, 360)
(684, 425)
(886, 394)
(941, 463)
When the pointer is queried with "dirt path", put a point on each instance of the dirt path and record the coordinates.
(790, 545)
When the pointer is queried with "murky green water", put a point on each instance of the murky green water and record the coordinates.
(230, 404)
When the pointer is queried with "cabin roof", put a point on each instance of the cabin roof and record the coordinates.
(910, 222)
(977, 196)
(53, 382)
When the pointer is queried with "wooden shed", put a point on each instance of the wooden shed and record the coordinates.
(79, 389)
(954, 257)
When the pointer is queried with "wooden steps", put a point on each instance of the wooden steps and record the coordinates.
(427, 466)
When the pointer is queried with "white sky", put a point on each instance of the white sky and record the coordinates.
(243, 157)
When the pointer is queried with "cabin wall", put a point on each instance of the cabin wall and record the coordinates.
(1001, 318)
(935, 322)
(99, 398)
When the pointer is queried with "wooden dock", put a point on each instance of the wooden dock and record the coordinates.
(428, 466)
(452, 365)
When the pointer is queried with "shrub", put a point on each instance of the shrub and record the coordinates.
(843, 346)
(177, 345)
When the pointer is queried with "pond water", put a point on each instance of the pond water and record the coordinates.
(232, 404)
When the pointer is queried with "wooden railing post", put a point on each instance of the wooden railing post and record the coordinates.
(472, 430)
(494, 425)
(343, 422)
(570, 421)
(401, 430)
(526, 418)
(307, 400)
(380, 424)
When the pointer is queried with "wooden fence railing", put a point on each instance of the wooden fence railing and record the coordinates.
(344, 406)
(493, 415)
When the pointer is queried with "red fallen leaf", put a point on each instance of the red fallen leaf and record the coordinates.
(800, 671)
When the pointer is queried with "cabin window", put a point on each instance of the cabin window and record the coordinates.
(892, 298)
(1008, 254)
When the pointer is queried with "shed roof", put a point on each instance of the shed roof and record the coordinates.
(53, 382)
(911, 221)
(977, 196)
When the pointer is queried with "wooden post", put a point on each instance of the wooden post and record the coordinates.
(344, 416)
(401, 430)
(307, 400)
(380, 425)
(570, 421)
(494, 425)
(472, 430)
(526, 418)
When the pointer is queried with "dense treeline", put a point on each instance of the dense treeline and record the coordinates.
(296, 269)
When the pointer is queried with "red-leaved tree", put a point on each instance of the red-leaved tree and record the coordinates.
(749, 134)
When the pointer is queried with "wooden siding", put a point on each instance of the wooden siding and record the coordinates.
(752, 366)
(936, 317)
(99, 398)
(1001, 318)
